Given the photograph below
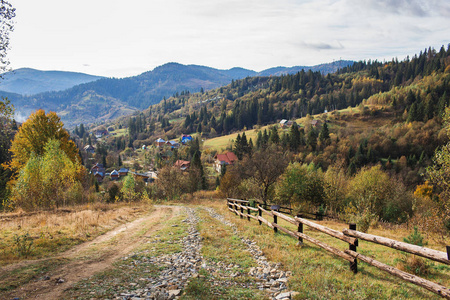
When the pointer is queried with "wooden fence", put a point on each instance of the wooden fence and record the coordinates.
(350, 236)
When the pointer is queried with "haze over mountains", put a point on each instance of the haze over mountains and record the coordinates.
(26, 81)
(81, 98)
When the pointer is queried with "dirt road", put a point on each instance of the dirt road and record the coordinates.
(91, 257)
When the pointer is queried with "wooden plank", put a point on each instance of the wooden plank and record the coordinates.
(429, 285)
(287, 231)
(322, 245)
(413, 249)
(329, 231)
(265, 222)
(286, 218)
(253, 217)
(237, 200)
(252, 208)
(266, 211)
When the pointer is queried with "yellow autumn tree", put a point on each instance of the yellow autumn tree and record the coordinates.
(48, 181)
(34, 134)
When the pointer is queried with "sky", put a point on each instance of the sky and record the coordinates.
(125, 38)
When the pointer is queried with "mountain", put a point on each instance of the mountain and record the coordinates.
(129, 94)
(323, 68)
(28, 81)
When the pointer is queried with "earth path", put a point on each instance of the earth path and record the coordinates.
(91, 257)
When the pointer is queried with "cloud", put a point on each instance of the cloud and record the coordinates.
(321, 46)
(414, 8)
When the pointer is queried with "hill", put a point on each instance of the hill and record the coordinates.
(26, 81)
(323, 68)
(137, 92)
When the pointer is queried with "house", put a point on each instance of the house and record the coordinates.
(99, 176)
(160, 142)
(315, 123)
(114, 175)
(183, 165)
(173, 144)
(146, 177)
(89, 149)
(286, 123)
(186, 138)
(123, 172)
(100, 133)
(227, 158)
(98, 168)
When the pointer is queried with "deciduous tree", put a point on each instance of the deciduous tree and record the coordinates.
(47, 181)
(265, 166)
(34, 134)
(7, 13)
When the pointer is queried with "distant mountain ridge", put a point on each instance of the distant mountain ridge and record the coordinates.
(77, 104)
(27, 81)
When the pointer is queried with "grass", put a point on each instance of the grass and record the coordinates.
(223, 142)
(317, 274)
(221, 247)
(20, 276)
(53, 232)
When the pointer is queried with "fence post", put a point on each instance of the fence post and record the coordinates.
(248, 211)
(300, 229)
(448, 252)
(275, 219)
(242, 211)
(235, 207)
(354, 264)
(259, 214)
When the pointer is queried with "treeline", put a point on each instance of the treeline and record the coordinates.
(260, 101)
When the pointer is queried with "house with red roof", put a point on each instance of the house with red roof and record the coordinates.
(183, 165)
(228, 158)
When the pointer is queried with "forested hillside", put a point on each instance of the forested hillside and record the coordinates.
(387, 113)
(418, 87)
(126, 94)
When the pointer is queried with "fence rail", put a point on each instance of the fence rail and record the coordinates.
(349, 236)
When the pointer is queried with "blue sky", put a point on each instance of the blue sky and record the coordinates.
(123, 38)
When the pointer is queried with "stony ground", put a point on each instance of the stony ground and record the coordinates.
(160, 275)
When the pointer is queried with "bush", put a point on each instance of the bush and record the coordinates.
(412, 263)
(113, 193)
(23, 244)
(301, 185)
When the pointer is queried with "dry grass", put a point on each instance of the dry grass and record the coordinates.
(317, 274)
(55, 231)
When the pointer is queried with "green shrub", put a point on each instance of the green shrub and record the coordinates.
(23, 243)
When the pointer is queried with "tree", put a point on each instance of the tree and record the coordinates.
(324, 135)
(170, 183)
(7, 13)
(34, 134)
(294, 137)
(301, 184)
(439, 175)
(128, 188)
(196, 173)
(370, 189)
(6, 134)
(47, 181)
(264, 166)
